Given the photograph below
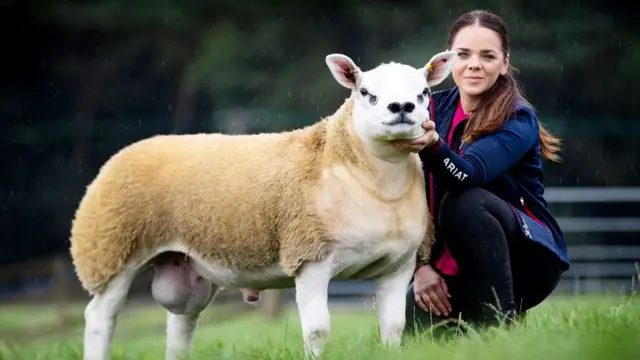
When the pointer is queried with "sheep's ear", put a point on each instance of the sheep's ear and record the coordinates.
(344, 70)
(439, 67)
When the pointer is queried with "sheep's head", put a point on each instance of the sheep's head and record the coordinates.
(391, 100)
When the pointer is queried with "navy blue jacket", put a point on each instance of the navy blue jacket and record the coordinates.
(506, 163)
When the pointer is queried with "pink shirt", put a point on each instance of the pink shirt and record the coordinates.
(447, 264)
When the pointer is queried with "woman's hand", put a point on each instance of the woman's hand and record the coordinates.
(431, 291)
(428, 139)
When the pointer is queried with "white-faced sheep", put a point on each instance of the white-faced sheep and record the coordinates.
(334, 200)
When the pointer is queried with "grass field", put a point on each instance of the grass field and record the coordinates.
(585, 328)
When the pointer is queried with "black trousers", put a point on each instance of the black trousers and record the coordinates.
(500, 270)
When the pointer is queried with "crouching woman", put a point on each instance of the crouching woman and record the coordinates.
(498, 251)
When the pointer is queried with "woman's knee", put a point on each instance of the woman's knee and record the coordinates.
(475, 215)
(475, 206)
(457, 207)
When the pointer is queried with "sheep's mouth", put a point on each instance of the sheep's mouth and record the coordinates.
(400, 119)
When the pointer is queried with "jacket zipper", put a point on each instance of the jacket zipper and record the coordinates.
(528, 212)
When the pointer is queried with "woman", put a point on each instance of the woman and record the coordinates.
(499, 251)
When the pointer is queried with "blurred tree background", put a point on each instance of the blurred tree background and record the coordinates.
(82, 79)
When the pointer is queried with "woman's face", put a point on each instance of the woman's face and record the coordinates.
(480, 59)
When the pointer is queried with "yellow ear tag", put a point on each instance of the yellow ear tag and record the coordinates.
(429, 67)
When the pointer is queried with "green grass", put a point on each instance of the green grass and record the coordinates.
(584, 328)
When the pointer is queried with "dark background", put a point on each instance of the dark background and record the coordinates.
(82, 79)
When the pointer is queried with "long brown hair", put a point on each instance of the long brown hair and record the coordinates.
(499, 102)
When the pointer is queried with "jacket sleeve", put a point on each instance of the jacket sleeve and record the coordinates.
(485, 159)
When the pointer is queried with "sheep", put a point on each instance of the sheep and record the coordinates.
(295, 209)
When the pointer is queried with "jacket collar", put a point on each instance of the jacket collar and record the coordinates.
(445, 102)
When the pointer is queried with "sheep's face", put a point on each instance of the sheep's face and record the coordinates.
(391, 100)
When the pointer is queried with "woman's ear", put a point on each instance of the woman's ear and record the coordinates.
(505, 65)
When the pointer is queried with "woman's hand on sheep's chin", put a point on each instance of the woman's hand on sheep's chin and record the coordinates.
(428, 139)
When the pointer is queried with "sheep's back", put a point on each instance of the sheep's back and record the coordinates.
(223, 195)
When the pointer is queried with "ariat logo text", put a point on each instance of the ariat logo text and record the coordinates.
(454, 170)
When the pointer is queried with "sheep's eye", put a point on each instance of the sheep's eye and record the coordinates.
(372, 98)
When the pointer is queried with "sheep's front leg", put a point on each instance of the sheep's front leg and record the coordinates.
(312, 286)
(390, 296)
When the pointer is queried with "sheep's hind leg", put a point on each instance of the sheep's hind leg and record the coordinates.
(390, 297)
(180, 290)
(101, 315)
(312, 286)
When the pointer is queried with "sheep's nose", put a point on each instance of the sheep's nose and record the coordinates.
(396, 107)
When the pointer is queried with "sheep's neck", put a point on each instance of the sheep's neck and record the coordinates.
(376, 186)
(377, 175)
